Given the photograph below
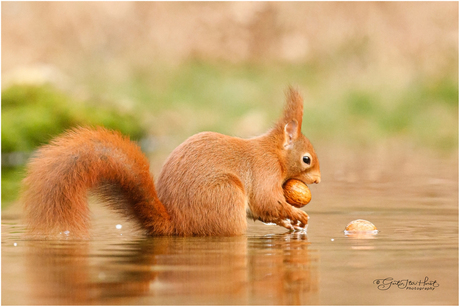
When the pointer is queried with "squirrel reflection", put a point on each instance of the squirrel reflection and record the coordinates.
(274, 269)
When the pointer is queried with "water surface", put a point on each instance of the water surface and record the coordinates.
(412, 201)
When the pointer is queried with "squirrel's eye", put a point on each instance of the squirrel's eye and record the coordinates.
(306, 160)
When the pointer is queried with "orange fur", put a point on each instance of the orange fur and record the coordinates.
(208, 185)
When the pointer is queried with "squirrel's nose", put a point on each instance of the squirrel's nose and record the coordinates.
(315, 178)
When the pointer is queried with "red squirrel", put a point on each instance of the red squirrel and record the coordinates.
(208, 185)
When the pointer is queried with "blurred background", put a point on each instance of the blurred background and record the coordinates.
(380, 79)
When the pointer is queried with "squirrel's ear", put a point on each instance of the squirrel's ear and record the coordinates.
(293, 110)
(291, 132)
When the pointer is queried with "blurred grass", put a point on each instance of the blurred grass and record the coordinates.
(218, 96)
(32, 115)
(11, 184)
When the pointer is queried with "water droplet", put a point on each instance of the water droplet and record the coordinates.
(332, 240)
(15, 244)
(118, 226)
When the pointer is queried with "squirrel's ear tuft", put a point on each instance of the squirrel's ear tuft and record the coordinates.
(293, 110)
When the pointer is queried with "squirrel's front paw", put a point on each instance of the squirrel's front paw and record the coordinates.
(293, 226)
(289, 217)
(286, 224)
(295, 221)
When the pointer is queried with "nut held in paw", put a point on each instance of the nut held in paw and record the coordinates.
(296, 193)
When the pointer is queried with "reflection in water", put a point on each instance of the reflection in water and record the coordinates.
(275, 269)
(361, 234)
(57, 271)
(283, 270)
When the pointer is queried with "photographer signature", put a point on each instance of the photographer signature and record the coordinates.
(425, 284)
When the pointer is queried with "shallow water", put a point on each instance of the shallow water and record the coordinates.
(412, 201)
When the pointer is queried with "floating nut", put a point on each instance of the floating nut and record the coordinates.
(360, 226)
(296, 193)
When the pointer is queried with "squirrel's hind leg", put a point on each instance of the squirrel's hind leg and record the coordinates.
(218, 208)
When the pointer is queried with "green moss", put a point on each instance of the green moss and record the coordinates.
(32, 115)
(11, 181)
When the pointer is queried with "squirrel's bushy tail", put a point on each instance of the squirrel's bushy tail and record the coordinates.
(61, 174)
